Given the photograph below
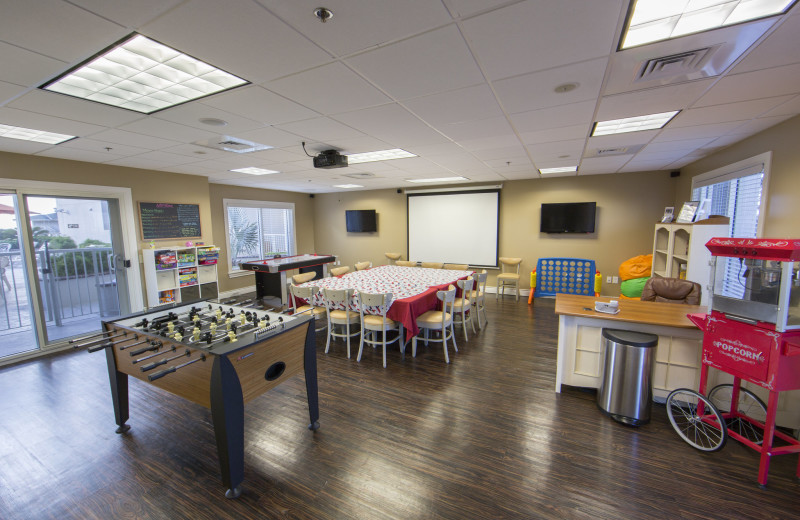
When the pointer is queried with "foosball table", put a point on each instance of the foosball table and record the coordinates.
(220, 357)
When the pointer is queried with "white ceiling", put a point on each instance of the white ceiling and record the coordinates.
(468, 85)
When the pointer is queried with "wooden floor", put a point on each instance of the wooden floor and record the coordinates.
(483, 437)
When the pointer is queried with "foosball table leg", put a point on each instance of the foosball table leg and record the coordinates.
(310, 368)
(227, 414)
(119, 392)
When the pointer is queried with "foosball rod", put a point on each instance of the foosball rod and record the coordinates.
(154, 345)
(159, 375)
(107, 338)
(151, 356)
(103, 333)
(155, 364)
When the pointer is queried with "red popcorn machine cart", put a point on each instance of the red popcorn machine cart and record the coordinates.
(753, 333)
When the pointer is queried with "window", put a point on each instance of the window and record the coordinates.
(737, 191)
(257, 230)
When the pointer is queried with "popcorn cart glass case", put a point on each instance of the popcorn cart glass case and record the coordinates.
(753, 333)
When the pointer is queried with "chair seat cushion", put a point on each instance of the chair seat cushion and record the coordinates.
(317, 311)
(344, 316)
(432, 318)
(377, 321)
(508, 276)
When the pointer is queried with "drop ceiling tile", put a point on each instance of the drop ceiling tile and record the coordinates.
(270, 136)
(166, 159)
(531, 36)
(168, 130)
(458, 162)
(758, 125)
(320, 129)
(695, 132)
(777, 50)
(464, 8)
(435, 150)
(468, 131)
(778, 81)
(553, 135)
(190, 114)
(573, 149)
(405, 129)
(97, 146)
(440, 60)
(69, 107)
(480, 145)
(133, 139)
(645, 166)
(790, 108)
(522, 175)
(360, 24)
(59, 30)
(330, 89)
(75, 154)
(621, 140)
(8, 91)
(19, 146)
(456, 106)
(352, 145)
(128, 14)
(197, 152)
(139, 161)
(600, 165)
(239, 36)
(26, 68)
(686, 145)
(741, 111)
(580, 113)
(537, 90)
(513, 154)
(27, 119)
(257, 103)
(652, 100)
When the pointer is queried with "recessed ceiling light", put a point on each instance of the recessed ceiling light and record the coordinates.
(143, 75)
(347, 186)
(213, 121)
(28, 134)
(254, 171)
(439, 179)
(562, 169)
(380, 155)
(633, 124)
(655, 20)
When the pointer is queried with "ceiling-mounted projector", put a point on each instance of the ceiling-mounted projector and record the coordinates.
(330, 159)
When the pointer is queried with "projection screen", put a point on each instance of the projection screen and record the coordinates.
(458, 227)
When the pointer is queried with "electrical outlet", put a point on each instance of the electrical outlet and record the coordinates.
(615, 279)
(608, 279)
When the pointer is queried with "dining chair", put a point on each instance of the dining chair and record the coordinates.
(509, 275)
(393, 257)
(303, 277)
(360, 266)
(406, 263)
(333, 299)
(456, 267)
(432, 265)
(339, 271)
(462, 306)
(306, 294)
(441, 321)
(373, 308)
(478, 296)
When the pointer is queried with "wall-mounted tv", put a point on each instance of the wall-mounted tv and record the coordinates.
(361, 220)
(568, 217)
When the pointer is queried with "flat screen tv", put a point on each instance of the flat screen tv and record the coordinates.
(568, 217)
(361, 221)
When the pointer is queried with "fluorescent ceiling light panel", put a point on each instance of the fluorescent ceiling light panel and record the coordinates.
(28, 134)
(439, 179)
(656, 20)
(347, 186)
(558, 170)
(633, 124)
(145, 76)
(254, 171)
(380, 155)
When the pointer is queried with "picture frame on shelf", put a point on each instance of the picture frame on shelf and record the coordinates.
(688, 212)
(669, 214)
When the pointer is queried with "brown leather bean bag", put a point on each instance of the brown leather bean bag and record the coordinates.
(671, 290)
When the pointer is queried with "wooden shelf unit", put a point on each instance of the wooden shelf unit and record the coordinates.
(679, 250)
(179, 274)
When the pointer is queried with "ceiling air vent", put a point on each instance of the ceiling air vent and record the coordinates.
(681, 64)
(227, 143)
(617, 150)
(611, 151)
(359, 175)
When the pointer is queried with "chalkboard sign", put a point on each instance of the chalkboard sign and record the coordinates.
(163, 220)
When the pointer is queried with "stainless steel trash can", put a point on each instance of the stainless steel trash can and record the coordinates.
(626, 387)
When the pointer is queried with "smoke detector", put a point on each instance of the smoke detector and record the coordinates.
(323, 14)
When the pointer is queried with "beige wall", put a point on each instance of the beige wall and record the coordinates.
(629, 205)
(304, 223)
(783, 192)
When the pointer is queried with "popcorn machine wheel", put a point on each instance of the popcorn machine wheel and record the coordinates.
(753, 333)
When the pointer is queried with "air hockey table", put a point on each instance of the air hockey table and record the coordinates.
(271, 273)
